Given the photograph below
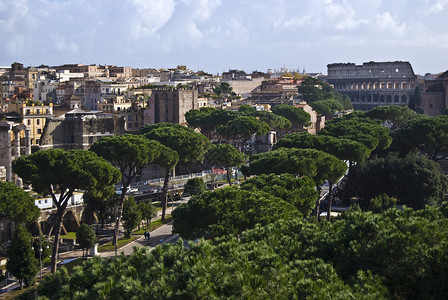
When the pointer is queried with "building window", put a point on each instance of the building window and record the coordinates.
(129, 125)
(29, 122)
(39, 131)
(38, 121)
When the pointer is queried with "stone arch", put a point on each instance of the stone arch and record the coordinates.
(404, 99)
(369, 98)
(369, 86)
(397, 85)
(389, 98)
(363, 98)
(375, 98)
(404, 86)
(382, 85)
(363, 86)
(396, 98)
(382, 98)
(88, 217)
(389, 85)
(375, 86)
(411, 86)
(70, 221)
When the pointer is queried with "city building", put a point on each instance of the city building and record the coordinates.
(373, 84)
(435, 95)
(34, 116)
(171, 104)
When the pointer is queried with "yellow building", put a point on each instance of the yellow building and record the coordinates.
(33, 116)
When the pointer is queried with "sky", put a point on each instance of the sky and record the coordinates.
(218, 35)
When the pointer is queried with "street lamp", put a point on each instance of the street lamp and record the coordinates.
(40, 256)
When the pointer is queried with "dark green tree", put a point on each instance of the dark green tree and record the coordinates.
(297, 116)
(129, 154)
(104, 208)
(132, 216)
(59, 173)
(299, 191)
(223, 89)
(242, 128)
(363, 130)
(202, 119)
(148, 210)
(187, 146)
(428, 135)
(381, 203)
(344, 149)
(86, 237)
(16, 204)
(396, 115)
(318, 165)
(229, 211)
(414, 180)
(21, 260)
(225, 156)
(195, 186)
(326, 107)
(416, 101)
(311, 89)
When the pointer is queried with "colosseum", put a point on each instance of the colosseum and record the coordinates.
(373, 84)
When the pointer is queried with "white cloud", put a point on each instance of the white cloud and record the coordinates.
(390, 24)
(151, 15)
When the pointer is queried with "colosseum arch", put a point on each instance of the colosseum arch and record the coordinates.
(396, 98)
(404, 99)
(389, 98)
(389, 85)
(396, 85)
(382, 98)
(404, 86)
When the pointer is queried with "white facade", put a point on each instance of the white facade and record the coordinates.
(65, 75)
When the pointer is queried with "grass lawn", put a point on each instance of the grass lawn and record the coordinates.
(69, 236)
(121, 242)
(155, 225)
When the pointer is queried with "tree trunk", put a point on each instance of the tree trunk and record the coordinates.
(317, 207)
(330, 195)
(228, 177)
(118, 219)
(165, 194)
(54, 256)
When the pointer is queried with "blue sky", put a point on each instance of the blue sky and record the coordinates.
(215, 35)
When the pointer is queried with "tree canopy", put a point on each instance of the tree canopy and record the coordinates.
(21, 261)
(396, 115)
(429, 135)
(243, 128)
(186, 145)
(344, 149)
(225, 156)
(86, 237)
(326, 107)
(59, 173)
(389, 255)
(414, 180)
(129, 154)
(316, 164)
(16, 204)
(370, 133)
(297, 116)
(229, 211)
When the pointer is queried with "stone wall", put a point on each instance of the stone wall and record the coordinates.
(79, 132)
